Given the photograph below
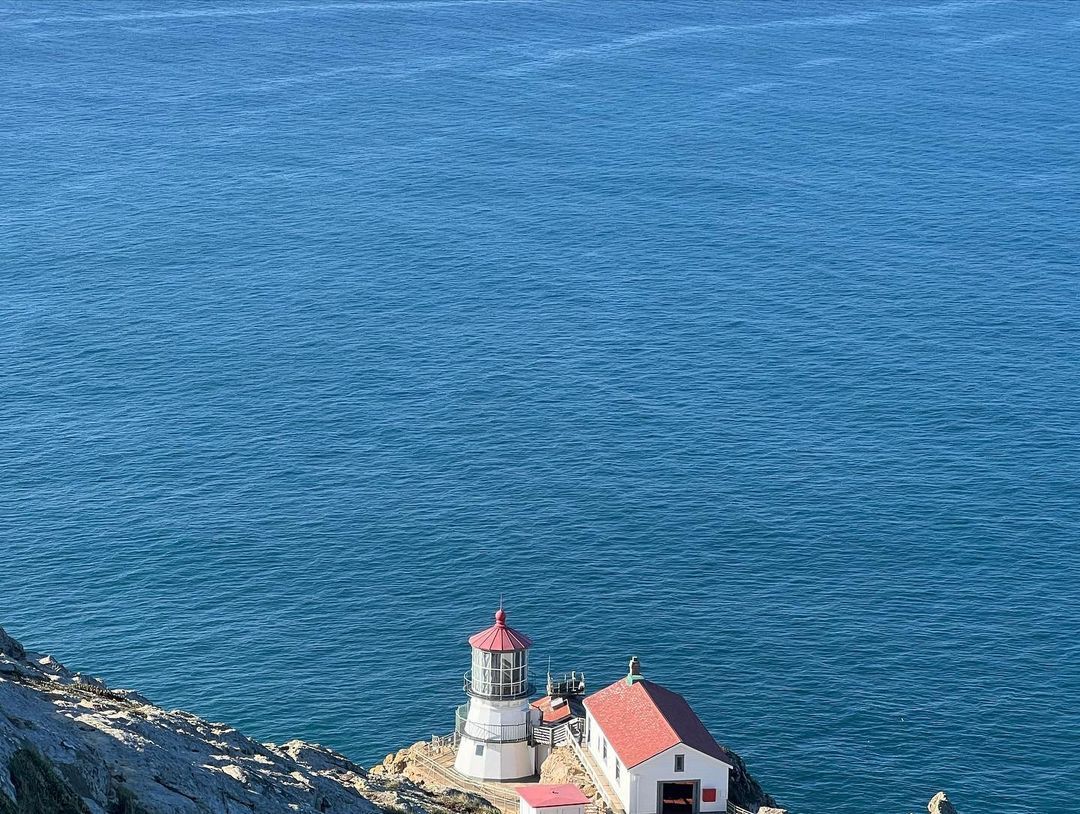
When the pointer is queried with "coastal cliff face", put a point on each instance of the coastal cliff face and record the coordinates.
(71, 745)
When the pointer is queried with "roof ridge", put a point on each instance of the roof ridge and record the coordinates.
(645, 684)
(642, 723)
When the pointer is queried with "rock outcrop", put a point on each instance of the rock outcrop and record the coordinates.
(418, 763)
(939, 804)
(71, 745)
(562, 766)
(743, 790)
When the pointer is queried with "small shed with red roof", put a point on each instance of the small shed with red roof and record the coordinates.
(655, 752)
(553, 710)
(552, 798)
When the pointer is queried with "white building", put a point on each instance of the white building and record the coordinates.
(551, 798)
(656, 753)
(495, 727)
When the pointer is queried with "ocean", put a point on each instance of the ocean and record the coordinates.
(742, 337)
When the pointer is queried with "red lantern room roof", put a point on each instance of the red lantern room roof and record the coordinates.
(499, 638)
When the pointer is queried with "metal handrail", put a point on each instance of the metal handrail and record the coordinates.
(504, 800)
(557, 735)
(490, 733)
(445, 741)
(597, 776)
(503, 692)
(734, 809)
(572, 683)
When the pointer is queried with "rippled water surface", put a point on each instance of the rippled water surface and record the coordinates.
(741, 336)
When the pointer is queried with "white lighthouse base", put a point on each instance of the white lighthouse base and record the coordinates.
(495, 761)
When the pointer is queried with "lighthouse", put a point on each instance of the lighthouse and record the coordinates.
(495, 726)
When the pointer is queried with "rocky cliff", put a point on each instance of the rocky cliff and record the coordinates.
(71, 745)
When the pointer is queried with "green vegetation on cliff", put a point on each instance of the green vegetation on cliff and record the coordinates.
(38, 789)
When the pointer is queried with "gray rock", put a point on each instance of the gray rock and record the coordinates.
(89, 681)
(939, 804)
(133, 697)
(10, 647)
(12, 667)
(112, 750)
(743, 790)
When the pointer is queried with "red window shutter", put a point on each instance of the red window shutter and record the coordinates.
(708, 795)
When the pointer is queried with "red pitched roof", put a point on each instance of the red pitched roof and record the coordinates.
(545, 795)
(643, 719)
(499, 638)
(550, 714)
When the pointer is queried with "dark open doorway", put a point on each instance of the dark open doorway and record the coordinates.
(677, 797)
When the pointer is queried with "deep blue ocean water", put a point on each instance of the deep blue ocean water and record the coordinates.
(743, 337)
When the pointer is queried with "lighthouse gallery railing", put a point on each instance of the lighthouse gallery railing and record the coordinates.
(504, 691)
(490, 733)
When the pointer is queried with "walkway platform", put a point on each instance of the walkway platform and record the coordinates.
(599, 779)
(437, 767)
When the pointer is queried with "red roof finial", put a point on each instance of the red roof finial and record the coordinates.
(500, 637)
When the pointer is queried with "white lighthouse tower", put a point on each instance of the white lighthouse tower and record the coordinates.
(495, 726)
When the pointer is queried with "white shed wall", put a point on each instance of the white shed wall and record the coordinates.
(710, 772)
(525, 808)
(636, 787)
(595, 744)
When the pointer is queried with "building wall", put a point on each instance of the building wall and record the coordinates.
(637, 788)
(710, 772)
(487, 715)
(495, 761)
(543, 752)
(528, 809)
(595, 741)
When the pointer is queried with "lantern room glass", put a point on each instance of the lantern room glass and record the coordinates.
(500, 675)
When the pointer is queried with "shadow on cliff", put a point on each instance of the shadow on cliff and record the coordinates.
(40, 790)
